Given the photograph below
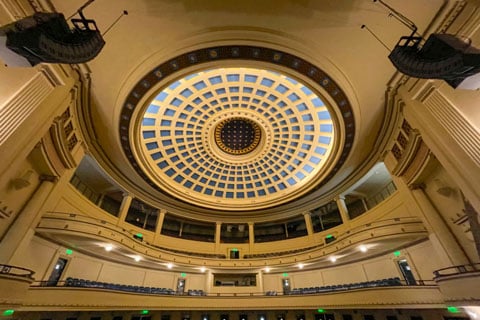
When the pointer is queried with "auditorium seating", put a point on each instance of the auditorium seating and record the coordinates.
(74, 282)
(350, 286)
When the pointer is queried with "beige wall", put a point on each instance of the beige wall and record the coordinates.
(37, 256)
(447, 199)
(41, 255)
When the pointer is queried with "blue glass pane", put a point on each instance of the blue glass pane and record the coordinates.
(152, 145)
(148, 121)
(152, 109)
(148, 134)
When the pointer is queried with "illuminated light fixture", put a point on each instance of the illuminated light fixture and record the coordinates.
(300, 266)
(183, 274)
(68, 251)
(169, 265)
(284, 274)
(234, 249)
(471, 313)
(108, 247)
(137, 258)
(138, 236)
(8, 312)
(363, 248)
(320, 310)
(333, 259)
(203, 269)
(397, 253)
(453, 309)
(144, 312)
(267, 269)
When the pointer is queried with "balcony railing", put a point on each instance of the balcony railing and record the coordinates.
(6, 269)
(90, 284)
(454, 270)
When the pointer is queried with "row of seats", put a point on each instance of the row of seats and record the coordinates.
(74, 282)
(350, 286)
(191, 292)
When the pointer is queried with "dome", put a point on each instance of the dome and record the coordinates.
(236, 138)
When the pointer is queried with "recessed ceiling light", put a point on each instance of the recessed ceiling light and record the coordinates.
(108, 247)
(333, 259)
(169, 265)
(137, 258)
(300, 266)
(267, 269)
(363, 248)
(203, 269)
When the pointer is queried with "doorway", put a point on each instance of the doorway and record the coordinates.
(181, 286)
(286, 285)
(407, 272)
(57, 272)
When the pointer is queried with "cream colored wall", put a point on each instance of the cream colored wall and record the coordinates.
(13, 198)
(450, 206)
(160, 279)
(196, 282)
(41, 255)
(421, 258)
(72, 201)
(38, 256)
(83, 268)
(380, 268)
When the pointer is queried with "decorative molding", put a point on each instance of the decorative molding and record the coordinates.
(459, 128)
(23, 104)
(416, 158)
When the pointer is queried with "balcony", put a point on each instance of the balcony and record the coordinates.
(460, 284)
(14, 284)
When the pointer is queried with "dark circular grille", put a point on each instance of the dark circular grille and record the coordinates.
(237, 136)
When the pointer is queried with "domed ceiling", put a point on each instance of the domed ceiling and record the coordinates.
(320, 45)
(237, 138)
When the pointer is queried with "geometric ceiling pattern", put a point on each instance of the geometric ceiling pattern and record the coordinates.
(283, 129)
(233, 128)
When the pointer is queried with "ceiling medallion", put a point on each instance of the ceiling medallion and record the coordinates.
(237, 136)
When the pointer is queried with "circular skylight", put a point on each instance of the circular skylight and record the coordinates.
(235, 138)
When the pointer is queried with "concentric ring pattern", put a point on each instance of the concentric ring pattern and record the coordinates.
(181, 155)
